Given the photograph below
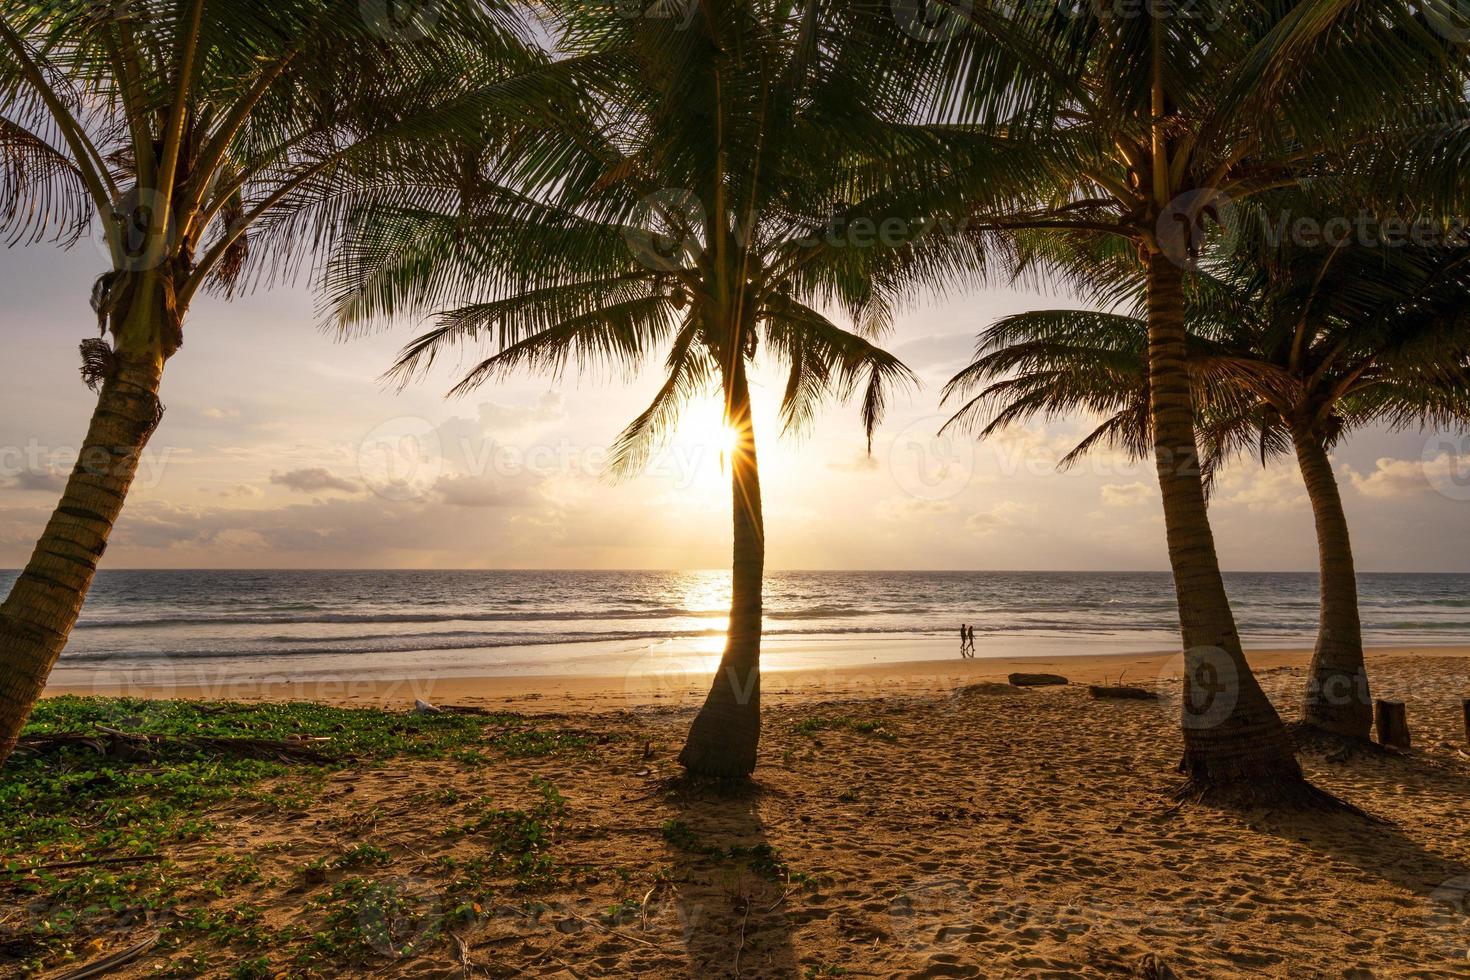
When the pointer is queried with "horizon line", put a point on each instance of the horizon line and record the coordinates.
(884, 571)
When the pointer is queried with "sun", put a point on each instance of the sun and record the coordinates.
(703, 430)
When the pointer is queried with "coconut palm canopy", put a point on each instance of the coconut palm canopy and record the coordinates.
(210, 144)
(727, 187)
(1340, 337)
(244, 129)
(719, 192)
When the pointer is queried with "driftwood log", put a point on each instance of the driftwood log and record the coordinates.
(1392, 720)
(1121, 692)
(1035, 680)
(132, 746)
(114, 962)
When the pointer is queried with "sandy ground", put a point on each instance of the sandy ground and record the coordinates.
(997, 832)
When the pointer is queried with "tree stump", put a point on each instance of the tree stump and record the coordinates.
(1466, 705)
(1393, 723)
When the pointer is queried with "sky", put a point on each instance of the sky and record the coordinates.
(282, 448)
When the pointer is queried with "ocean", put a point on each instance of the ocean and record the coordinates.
(507, 622)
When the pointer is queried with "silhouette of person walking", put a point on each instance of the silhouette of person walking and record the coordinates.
(970, 639)
(964, 639)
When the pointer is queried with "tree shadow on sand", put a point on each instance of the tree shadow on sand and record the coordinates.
(725, 885)
(1378, 847)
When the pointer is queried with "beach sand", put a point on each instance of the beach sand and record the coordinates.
(923, 819)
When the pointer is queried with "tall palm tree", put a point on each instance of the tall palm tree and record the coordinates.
(713, 197)
(1289, 356)
(206, 140)
(1153, 121)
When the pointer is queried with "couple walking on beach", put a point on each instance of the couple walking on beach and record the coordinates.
(967, 640)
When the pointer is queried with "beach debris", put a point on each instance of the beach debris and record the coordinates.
(1466, 706)
(1152, 967)
(422, 707)
(1122, 692)
(1036, 680)
(109, 963)
(466, 709)
(1392, 721)
(983, 687)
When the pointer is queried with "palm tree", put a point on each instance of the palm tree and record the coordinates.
(207, 140)
(1287, 356)
(1153, 122)
(710, 200)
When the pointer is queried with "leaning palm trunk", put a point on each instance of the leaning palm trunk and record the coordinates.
(1234, 741)
(725, 734)
(46, 599)
(1337, 683)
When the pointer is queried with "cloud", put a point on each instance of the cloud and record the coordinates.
(471, 491)
(549, 407)
(1008, 513)
(1392, 478)
(221, 413)
(907, 509)
(358, 530)
(1127, 494)
(1272, 490)
(47, 480)
(943, 351)
(858, 462)
(313, 479)
(19, 527)
(237, 490)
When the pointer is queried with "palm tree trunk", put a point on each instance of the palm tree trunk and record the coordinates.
(1337, 683)
(725, 734)
(46, 599)
(1234, 741)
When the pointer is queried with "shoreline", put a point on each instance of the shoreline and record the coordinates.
(681, 682)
